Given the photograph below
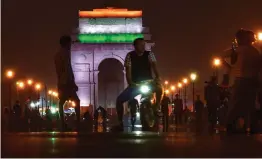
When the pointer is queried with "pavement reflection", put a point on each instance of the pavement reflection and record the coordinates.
(131, 144)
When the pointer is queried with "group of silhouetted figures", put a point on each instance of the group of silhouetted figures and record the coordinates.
(29, 119)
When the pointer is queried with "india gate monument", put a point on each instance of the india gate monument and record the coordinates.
(104, 35)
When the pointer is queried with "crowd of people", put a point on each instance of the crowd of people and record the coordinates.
(245, 65)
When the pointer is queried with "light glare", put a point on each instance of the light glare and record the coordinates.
(259, 37)
(144, 89)
(193, 76)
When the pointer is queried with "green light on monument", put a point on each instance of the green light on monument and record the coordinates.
(108, 38)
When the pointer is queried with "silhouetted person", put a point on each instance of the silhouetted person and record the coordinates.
(67, 87)
(164, 104)
(48, 118)
(6, 117)
(246, 71)
(212, 97)
(17, 109)
(186, 114)
(178, 109)
(100, 117)
(133, 105)
(199, 107)
(88, 121)
(17, 112)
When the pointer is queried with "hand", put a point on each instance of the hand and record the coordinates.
(158, 80)
(134, 84)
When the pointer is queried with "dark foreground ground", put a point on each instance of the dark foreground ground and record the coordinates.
(135, 144)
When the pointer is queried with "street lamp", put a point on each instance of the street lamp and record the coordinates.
(38, 88)
(167, 92)
(50, 96)
(193, 77)
(216, 64)
(10, 76)
(73, 104)
(29, 82)
(173, 88)
(166, 83)
(185, 82)
(21, 85)
(179, 90)
(259, 36)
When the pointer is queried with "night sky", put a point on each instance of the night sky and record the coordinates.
(187, 32)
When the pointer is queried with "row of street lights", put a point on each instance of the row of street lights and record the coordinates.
(184, 82)
(22, 84)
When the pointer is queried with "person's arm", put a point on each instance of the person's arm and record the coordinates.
(128, 69)
(152, 60)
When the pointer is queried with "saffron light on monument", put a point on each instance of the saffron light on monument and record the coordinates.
(110, 12)
(108, 38)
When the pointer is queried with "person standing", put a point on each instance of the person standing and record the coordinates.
(165, 103)
(199, 106)
(212, 97)
(66, 85)
(246, 71)
(178, 110)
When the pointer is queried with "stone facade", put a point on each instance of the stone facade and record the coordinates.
(85, 61)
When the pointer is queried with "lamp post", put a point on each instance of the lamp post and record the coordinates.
(216, 64)
(167, 92)
(30, 83)
(19, 85)
(193, 77)
(50, 97)
(55, 95)
(38, 88)
(166, 83)
(185, 97)
(10, 76)
(173, 90)
(179, 89)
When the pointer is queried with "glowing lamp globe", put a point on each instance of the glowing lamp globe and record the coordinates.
(185, 80)
(144, 89)
(10, 74)
(29, 82)
(217, 62)
(259, 37)
(193, 76)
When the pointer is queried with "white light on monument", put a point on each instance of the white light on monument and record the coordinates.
(96, 29)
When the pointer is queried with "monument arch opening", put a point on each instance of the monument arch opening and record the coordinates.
(110, 82)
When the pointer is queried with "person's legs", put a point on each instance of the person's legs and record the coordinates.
(166, 122)
(61, 113)
(237, 105)
(126, 95)
(75, 98)
(159, 92)
(63, 95)
(133, 114)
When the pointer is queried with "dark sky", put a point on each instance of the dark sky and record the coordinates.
(187, 32)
